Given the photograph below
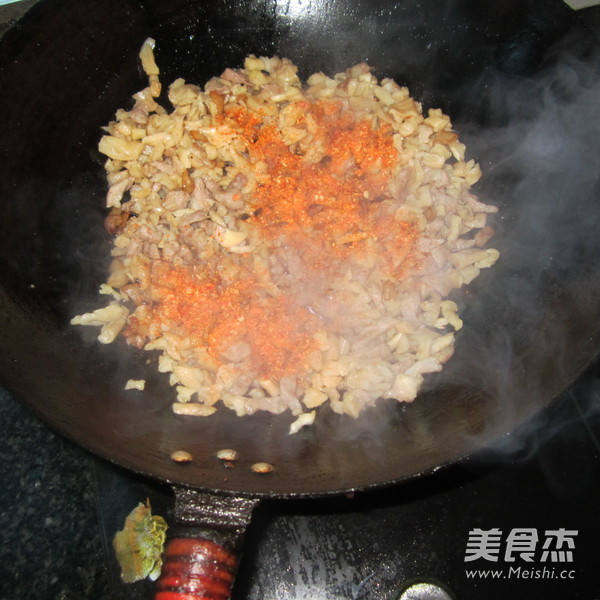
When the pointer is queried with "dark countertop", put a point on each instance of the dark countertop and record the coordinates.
(51, 543)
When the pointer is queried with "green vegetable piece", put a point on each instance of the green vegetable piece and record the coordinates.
(139, 544)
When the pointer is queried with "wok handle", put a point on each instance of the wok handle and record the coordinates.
(196, 568)
(201, 555)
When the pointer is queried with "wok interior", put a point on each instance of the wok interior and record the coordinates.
(512, 356)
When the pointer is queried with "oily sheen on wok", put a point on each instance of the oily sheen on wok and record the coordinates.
(511, 356)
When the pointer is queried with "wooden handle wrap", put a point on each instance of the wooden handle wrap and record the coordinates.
(195, 569)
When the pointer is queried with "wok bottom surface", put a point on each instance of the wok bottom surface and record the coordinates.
(57, 503)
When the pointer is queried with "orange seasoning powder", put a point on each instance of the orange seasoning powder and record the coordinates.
(220, 317)
(327, 211)
(328, 208)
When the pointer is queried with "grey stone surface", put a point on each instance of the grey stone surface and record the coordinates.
(51, 544)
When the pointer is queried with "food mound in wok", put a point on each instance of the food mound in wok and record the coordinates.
(285, 247)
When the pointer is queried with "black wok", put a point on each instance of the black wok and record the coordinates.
(531, 324)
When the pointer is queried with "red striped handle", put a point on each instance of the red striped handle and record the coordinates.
(195, 569)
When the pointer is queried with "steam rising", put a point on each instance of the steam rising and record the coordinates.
(529, 324)
(538, 313)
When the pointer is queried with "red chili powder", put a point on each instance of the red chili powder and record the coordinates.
(327, 208)
(326, 211)
(216, 316)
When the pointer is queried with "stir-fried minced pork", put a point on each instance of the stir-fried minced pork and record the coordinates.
(286, 247)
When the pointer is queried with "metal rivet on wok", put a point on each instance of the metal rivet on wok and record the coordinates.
(262, 467)
(181, 456)
(227, 454)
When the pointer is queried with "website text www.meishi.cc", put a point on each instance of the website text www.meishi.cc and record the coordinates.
(527, 553)
(521, 572)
